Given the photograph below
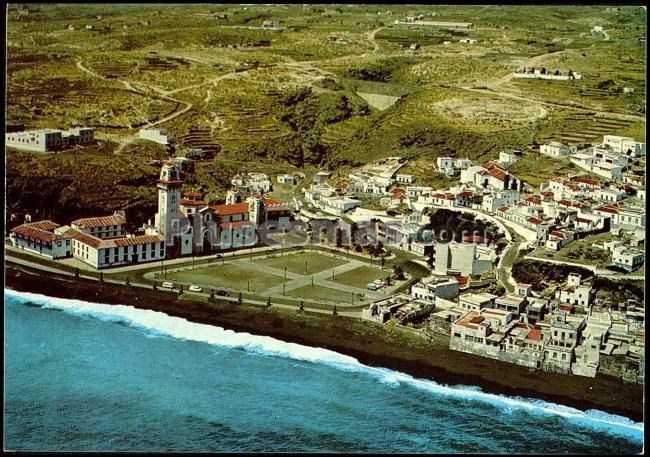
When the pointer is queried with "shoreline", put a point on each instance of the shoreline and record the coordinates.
(371, 344)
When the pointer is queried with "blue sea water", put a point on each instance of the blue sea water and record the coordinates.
(83, 376)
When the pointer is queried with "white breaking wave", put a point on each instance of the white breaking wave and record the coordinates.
(162, 324)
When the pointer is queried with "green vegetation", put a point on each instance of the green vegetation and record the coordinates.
(232, 276)
(317, 292)
(541, 274)
(296, 263)
(360, 277)
(580, 251)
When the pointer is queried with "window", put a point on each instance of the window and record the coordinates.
(563, 356)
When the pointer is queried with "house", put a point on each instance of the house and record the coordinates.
(468, 41)
(508, 157)
(414, 47)
(628, 258)
(565, 333)
(476, 302)
(435, 286)
(608, 170)
(575, 293)
(286, 179)
(252, 182)
(610, 195)
(45, 238)
(597, 29)
(556, 149)
(156, 135)
(557, 239)
(624, 145)
(446, 165)
(321, 177)
(512, 303)
(404, 178)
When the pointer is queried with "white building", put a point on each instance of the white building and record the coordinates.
(102, 253)
(628, 258)
(465, 258)
(575, 293)
(286, 179)
(608, 170)
(624, 145)
(155, 135)
(507, 158)
(253, 182)
(556, 149)
(49, 140)
(435, 286)
(102, 227)
(446, 165)
(45, 238)
(404, 178)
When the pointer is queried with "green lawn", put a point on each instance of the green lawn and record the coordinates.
(295, 263)
(227, 275)
(360, 277)
(322, 293)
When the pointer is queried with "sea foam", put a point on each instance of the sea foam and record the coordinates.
(158, 323)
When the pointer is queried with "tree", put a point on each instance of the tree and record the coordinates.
(302, 305)
(388, 283)
(339, 237)
(399, 272)
(239, 299)
(268, 302)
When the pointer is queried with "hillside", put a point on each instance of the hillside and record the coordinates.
(336, 87)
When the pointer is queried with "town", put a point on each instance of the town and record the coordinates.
(566, 328)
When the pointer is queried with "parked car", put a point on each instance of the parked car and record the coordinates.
(167, 285)
(372, 286)
(222, 293)
(194, 288)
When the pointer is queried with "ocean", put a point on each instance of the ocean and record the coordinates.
(82, 376)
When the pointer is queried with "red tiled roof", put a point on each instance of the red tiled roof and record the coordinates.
(608, 209)
(503, 209)
(535, 335)
(97, 243)
(186, 202)
(534, 220)
(272, 201)
(103, 221)
(462, 280)
(535, 200)
(547, 193)
(591, 181)
(559, 234)
(229, 210)
(85, 238)
(43, 225)
(567, 308)
(27, 231)
(580, 219)
(193, 194)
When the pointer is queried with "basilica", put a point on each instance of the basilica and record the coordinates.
(191, 226)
